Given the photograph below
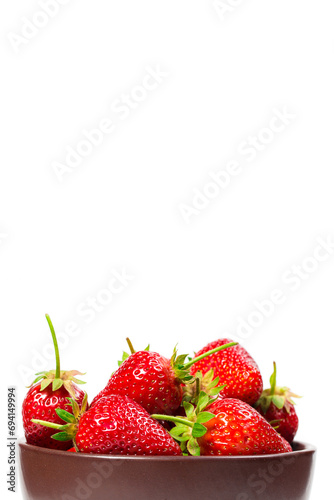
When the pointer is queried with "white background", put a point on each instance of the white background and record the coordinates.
(119, 209)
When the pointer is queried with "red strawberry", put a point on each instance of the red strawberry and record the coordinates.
(147, 378)
(116, 425)
(226, 427)
(50, 390)
(151, 380)
(73, 450)
(235, 368)
(277, 407)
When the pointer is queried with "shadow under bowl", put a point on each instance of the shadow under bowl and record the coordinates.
(62, 475)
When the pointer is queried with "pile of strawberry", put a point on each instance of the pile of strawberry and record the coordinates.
(213, 404)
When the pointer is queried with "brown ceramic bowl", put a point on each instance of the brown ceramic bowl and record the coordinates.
(61, 475)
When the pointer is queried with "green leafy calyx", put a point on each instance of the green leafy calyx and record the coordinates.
(281, 397)
(181, 367)
(188, 429)
(206, 383)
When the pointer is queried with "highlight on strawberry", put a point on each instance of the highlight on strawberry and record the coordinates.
(277, 407)
(49, 392)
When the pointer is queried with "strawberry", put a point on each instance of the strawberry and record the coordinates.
(226, 427)
(277, 407)
(115, 425)
(50, 390)
(235, 368)
(151, 380)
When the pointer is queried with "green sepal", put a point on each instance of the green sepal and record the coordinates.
(75, 406)
(176, 432)
(203, 401)
(204, 416)
(208, 379)
(264, 402)
(182, 439)
(37, 379)
(193, 447)
(217, 390)
(189, 409)
(66, 416)
(77, 381)
(278, 401)
(124, 357)
(198, 430)
(57, 384)
(45, 382)
(179, 360)
(71, 403)
(62, 436)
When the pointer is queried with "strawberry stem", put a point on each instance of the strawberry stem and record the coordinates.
(130, 345)
(175, 420)
(213, 351)
(47, 424)
(55, 343)
(273, 381)
(198, 387)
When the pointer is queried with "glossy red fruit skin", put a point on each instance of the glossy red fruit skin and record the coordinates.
(288, 425)
(235, 368)
(238, 429)
(42, 405)
(147, 378)
(117, 425)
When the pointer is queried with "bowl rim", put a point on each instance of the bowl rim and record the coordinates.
(305, 449)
